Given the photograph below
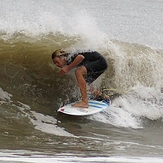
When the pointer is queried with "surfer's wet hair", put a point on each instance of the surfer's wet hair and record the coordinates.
(59, 53)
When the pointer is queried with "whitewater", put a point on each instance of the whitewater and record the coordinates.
(128, 33)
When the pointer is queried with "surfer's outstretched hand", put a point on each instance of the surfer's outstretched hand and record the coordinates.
(64, 70)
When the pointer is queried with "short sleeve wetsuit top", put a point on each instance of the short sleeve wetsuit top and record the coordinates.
(94, 62)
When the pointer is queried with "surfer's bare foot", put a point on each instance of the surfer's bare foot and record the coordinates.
(81, 104)
(106, 97)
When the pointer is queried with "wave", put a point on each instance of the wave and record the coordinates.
(29, 76)
(31, 30)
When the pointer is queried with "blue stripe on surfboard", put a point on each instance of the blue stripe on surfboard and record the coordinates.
(97, 103)
(95, 106)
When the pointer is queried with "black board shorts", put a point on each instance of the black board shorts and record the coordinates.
(94, 67)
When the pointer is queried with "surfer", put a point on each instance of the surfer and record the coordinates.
(90, 65)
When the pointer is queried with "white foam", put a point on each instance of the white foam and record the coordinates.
(146, 102)
(117, 116)
(128, 109)
(48, 124)
(4, 95)
(62, 158)
(44, 123)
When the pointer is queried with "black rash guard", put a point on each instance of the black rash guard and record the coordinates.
(94, 62)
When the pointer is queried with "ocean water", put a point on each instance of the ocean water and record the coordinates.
(128, 33)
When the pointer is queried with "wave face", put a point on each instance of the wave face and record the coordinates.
(31, 90)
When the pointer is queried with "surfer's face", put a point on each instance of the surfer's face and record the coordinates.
(59, 61)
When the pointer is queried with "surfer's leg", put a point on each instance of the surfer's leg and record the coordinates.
(80, 72)
(98, 94)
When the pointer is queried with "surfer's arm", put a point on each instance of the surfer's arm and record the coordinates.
(75, 62)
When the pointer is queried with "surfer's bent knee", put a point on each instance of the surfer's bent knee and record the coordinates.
(81, 71)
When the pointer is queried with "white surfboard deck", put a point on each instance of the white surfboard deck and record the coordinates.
(94, 107)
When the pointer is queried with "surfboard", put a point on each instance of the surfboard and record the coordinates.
(94, 107)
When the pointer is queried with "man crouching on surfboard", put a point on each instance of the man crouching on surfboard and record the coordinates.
(90, 65)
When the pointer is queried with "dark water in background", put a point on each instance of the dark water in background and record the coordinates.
(31, 89)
